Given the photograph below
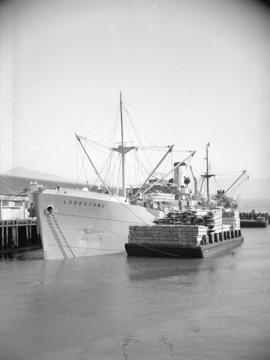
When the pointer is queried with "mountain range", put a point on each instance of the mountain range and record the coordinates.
(257, 188)
(29, 173)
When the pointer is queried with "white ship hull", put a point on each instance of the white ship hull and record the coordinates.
(76, 223)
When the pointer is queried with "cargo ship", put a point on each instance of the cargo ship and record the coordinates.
(79, 222)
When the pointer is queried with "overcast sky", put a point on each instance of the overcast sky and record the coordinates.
(191, 72)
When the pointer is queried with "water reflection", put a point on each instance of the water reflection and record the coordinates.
(140, 269)
(22, 255)
(143, 268)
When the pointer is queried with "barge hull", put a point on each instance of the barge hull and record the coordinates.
(253, 224)
(222, 246)
(201, 251)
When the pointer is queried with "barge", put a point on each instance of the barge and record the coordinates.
(209, 246)
(187, 240)
(256, 223)
(254, 219)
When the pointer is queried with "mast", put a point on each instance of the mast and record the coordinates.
(123, 149)
(207, 176)
(122, 145)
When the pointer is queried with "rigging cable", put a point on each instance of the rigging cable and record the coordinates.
(102, 120)
(94, 142)
(235, 187)
(218, 185)
(135, 131)
(141, 165)
(106, 174)
(136, 161)
(71, 149)
(118, 175)
(228, 173)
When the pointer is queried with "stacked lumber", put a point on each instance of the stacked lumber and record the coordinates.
(217, 220)
(212, 219)
(187, 217)
(231, 218)
(167, 235)
(226, 227)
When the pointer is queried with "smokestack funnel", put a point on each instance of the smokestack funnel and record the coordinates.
(176, 175)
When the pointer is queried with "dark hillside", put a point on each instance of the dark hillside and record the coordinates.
(17, 185)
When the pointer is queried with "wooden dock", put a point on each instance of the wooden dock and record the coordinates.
(254, 219)
(246, 223)
(18, 236)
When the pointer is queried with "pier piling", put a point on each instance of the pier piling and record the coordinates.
(18, 236)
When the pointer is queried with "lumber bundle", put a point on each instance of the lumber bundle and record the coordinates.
(231, 218)
(172, 235)
(226, 227)
(181, 218)
(212, 219)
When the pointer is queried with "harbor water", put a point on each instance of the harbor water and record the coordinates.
(115, 307)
